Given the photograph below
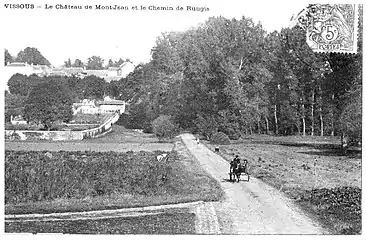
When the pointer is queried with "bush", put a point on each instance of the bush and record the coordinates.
(164, 127)
(148, 129)
(220, 138)
(233, 134)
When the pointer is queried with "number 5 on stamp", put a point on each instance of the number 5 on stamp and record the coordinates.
(330, 27)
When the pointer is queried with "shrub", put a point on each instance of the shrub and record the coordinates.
(220, 138)
(164, 127)
(148, 129)
(233, 134)
(206, 126)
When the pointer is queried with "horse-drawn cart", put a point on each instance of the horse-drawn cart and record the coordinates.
(236, 172)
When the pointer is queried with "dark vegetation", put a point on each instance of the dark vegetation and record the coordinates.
(339, 208)
(38, 176)
(220, 138)
(29, 55)
(231, 76)
(42, 182)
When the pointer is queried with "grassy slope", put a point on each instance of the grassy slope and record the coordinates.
(287, 163)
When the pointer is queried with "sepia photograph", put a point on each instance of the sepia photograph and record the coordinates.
(186, 118)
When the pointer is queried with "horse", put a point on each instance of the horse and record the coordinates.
(235, 171)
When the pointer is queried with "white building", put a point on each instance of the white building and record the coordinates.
(86, 107)
(126, 68)
(17, 120)
(110, 106)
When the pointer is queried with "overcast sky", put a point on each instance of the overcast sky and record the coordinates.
(63, 34)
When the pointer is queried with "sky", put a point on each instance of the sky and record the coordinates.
(60, 34)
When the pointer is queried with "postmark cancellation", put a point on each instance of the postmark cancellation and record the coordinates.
(330, 27)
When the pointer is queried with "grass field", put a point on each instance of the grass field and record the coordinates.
(303, 167)
(82, 181)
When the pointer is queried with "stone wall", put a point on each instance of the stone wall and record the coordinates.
(99, 131)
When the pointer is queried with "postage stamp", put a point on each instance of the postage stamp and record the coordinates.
(330, 27)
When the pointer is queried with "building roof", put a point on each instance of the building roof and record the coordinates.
(17, 64)
(97, 73)
(113, 69)
(74, 70)
(111, 102)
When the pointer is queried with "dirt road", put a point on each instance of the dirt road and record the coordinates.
(249, 207)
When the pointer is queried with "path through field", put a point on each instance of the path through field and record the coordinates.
(249, 207)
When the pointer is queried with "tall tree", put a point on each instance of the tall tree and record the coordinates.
(78, 63)
(93, 87)
(47, 103)
(14, 105)
(7, 57)
(19, 84)
(31, 55)
(67, 63)
(95, 63)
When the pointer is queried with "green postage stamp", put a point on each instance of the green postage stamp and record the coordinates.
(330, 27)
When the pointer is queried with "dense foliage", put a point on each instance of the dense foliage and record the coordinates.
(233, 77)
(164, 127)
(220, 138)
(90, 87)
(32, 55)
(36, 176)
(342, 203)
(48, 103)
(7, 57)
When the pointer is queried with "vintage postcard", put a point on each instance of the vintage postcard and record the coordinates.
(182, 118)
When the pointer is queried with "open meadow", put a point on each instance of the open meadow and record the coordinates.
(313, 171)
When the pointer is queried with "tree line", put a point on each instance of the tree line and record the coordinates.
(29, 55)
(231, 76)
(32, 55)
(49, 99)
(95, 63)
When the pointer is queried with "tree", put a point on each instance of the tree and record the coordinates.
(110, 64)
(95, 63)
(351, 117)
(14, 105)
(67, 63)
(164, 127)
(31, 55)
(47, 103)
(7, 57)
(93, 87)
(78, 63)
(19, 84)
